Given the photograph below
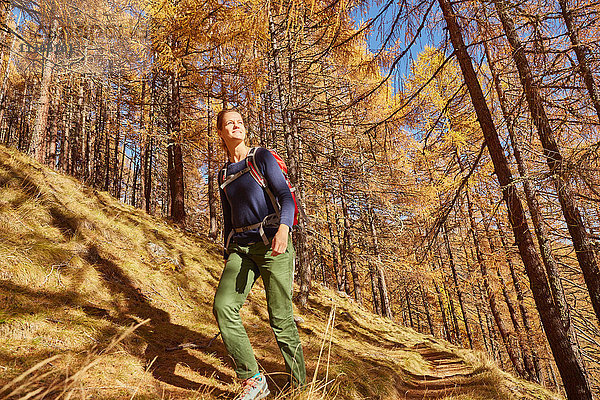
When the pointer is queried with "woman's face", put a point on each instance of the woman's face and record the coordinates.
(233, 129)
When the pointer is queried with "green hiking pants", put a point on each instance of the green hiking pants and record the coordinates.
(244, 265)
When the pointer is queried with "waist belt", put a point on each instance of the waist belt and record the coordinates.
(271, 220)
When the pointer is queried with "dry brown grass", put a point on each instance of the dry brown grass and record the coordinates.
(42, 381)
(78, 268)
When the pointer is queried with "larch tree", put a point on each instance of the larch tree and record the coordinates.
(573, 376)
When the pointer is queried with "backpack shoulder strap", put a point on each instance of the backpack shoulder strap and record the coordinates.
(226, 180)
(260, 179)
(221, 175)
(254, 171)
(251, 152)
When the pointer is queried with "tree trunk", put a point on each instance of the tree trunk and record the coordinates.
(443, 311)
(492, 335)
(96, 165)
(408, 308)
(304, 261)
(332, 159)
(148, 156)
(107, 154)
(347, 257)
(344, 285)
(457, 286)
(21, 123)
(85, 90)
(452, 310)
(262, 122)
(148, 151)
(345, 252)
(212, 166)
(175, 155)
(482, 329)
(6, 69)
(67, 139)
(558, 170)
(426, 309)
(384, 300)
(478, 306)
(581, 51)
(452, 323)
(290, 135)
(119, 176)
(74, 137)
(505, 335)
(53, 129)
(356, 281)
(132, 167)
(571, 371)
(526, 318)
(136, 173)
(91, 137)
(143, 140)
(118, 166)
(374, 292)
(323, 262)
(38, 144)
(341, 267)
(536, 219)
(526, 351)
(5, 19)
(332, 242)
(88, 145)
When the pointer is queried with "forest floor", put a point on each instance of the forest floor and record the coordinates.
(78, 269)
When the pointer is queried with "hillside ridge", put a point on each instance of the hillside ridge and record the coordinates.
(78, 268)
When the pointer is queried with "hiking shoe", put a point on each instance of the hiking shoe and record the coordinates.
(254, 388)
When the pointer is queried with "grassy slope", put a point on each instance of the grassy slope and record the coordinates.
(78, 267)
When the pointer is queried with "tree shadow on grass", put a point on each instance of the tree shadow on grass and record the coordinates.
(159, 333)
(148, 224)
(348, 322)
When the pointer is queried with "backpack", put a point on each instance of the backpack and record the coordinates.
(271, 219)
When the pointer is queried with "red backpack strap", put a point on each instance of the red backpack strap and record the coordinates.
(254, 171)
(284, 170)
(221, 175)
(260, 179)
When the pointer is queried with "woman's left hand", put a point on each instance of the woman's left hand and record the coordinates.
(280, 241)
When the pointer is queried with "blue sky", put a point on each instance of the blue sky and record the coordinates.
(380, 31)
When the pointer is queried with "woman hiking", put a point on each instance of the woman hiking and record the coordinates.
(257, 243)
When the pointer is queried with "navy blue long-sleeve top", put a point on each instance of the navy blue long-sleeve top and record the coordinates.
(245, 202)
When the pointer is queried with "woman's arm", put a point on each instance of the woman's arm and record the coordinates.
(276, 181)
